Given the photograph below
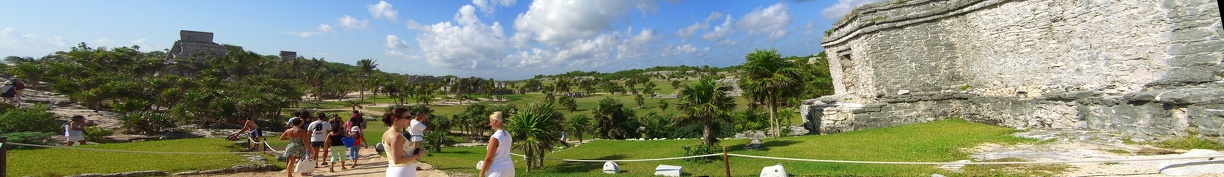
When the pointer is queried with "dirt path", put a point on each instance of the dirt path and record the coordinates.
(370, 164)
(1080, 146)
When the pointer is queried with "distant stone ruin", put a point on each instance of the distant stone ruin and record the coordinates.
(288, 55)
(193, 44)
(1144, 68)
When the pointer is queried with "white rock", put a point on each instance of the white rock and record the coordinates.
(773, 171)
(1194, 166)
(611, 168)
(668, 170)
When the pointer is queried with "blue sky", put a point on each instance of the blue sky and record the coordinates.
(502, 39)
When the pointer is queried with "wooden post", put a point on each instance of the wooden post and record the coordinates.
(3, 157)
(726, 161)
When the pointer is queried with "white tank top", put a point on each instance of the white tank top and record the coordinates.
(68, 131)
(501, 160)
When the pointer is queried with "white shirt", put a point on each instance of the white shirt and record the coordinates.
(501, 160)
(68, 131)
(417, 129)
(318, 130)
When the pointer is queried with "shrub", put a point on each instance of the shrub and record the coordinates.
(700, 150)
(1190, 142)
(97, 134)
(34, 119)
(43, 138)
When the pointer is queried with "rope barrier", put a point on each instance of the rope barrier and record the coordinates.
(131, 151)
(888, 162)
(972, 163)
(626, 160)
(688, 157)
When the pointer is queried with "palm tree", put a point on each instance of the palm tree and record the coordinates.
(641, 101)
(767, 78)
(703, 102)
(536, 130)
(365, 67)
(579, 123)
(354, 104)
(663, 105)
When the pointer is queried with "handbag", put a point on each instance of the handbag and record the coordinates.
(305, 165)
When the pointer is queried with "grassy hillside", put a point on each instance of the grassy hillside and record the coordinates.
(929, 142)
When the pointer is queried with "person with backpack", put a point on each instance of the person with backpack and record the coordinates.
(358, 120)
(18, 86)
(318, 136)
(7, 91)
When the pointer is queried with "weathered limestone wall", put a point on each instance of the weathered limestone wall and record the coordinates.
(195, 43)
(1143, 66)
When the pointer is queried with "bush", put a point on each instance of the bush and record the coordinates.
(34, 119)
(43, 138)
(1190, 142)
(97, 134)
(700, 150)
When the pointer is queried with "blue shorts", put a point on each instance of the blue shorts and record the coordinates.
(353, 152)
(255, 134)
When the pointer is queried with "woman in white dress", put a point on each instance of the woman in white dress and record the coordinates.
(401, 159)
(497, 161)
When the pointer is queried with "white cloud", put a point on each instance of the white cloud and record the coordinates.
(382, 9)
(465, 45)
(139, 41)
(8, 31)
(394, 42)
(103, 42)
(719, 31)
(809, 28)
(393, 53)
(57, 41)
(842, 8)
(353, 23)
(490, 6)
(705, 24)
(558, 22)
(770, 21)
(323, 28)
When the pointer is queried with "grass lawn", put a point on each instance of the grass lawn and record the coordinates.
(938, 141)
(59, 162)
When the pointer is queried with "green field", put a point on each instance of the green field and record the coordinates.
(60, 162)
(929, 142)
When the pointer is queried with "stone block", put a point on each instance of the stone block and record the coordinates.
(668, 170)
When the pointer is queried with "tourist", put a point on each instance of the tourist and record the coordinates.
(358, 120)
(297, 116)
(75, 130)
(249, 125)
(318, 136)
(334, 140)
(417, 129)
(401, 162)
(354, 133)
(18, 86)
(497, 160)
(7, 91)
(296, 148)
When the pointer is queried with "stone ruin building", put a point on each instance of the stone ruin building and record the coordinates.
(1142, 68)
(288, 55)
(195, 43)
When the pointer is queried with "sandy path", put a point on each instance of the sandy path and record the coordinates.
(370, 164)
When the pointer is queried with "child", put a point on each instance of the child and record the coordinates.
(354, 133)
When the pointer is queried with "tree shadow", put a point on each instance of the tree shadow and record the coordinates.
(583, 167)
(765, 145)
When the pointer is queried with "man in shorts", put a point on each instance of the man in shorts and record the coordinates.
(318, 136)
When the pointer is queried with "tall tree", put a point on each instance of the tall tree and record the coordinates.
(536, 131)
(767, 78)
(704, 102)
(579, 123)
(365, 67)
